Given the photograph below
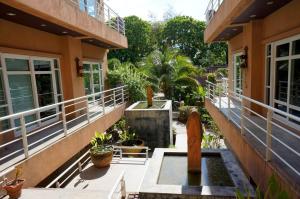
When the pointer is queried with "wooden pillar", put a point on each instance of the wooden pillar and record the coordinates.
(194, 138)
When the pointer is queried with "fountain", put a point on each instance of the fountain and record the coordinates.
(152, 120)
(207, 173)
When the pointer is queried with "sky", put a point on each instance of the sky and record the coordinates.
(145, 8)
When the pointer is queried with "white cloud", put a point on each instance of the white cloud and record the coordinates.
(143, 8)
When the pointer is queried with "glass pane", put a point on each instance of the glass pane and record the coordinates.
(268, 50)
(55, 63)
(283, 50)
(57, 79)
(41, 65)
(2, 92)
(17, 64)
(268, 73)
(296, 47)
(87, 83)
(21, 92)
(4, 124)
(96, 78)
(45, 93)
(281, 86)
(295, 83)
(238, 73)
(296, 113)
(280, 107)
(268, 96)
(86, 67)
(95, 68)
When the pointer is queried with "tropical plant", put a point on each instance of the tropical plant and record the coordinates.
(100, 143)
(125, 132)
(211, 140)
(170, 72)
(127, 74)
(138, 33)
(273, 191)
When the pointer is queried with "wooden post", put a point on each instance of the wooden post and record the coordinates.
(194, 135)
(149, 96)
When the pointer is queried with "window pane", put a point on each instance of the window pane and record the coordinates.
(280, 107)
(2, 92)
(296, 47)
(95, 68)
(86, 67)
(296, 113)
(17, 64)
(268, 71)
(281, 81)
(21, 92)
(267, 96)
(283, 50)
(295, 83)
(41, 65)
(57, 79)
(87, 83)
(96, 78)
(4, 124)
(55, 63)
(268, 50)
(44, 89)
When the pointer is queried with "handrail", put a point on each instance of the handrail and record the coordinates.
(102, 12)
(212, 7)
(216, 91)
(121, 181)
(59, 123)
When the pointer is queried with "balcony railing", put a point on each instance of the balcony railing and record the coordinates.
(33, 133)
(211, 9)
(276, 142)
(102, 12)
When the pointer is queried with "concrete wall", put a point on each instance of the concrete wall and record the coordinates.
(154, 126)
(252, 162)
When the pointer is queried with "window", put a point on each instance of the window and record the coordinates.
(284, 66)
(28, 83)
(93, 80)
(237, 76)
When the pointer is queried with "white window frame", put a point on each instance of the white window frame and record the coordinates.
(32, 73)
(274, 59)
(235, 89)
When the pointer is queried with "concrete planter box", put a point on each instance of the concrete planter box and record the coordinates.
(153, 125)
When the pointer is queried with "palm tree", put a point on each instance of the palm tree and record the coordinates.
(170, 72)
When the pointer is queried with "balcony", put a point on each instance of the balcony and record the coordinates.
(92, 21)
(63, 120)
(273, 143)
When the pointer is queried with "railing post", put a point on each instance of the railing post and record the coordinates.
(147, 153)
(229, 106)
(87, 110)
(24, 136)
(64, 121)
(220, 97)
(103, 103)
(242, 117)
(79, 167)
(114, 99)
(57, 184)
(214, 92)
(123, 100)
(123, 188)
(269, 135)
(108, 16)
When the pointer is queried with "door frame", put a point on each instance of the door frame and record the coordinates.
(235, 89)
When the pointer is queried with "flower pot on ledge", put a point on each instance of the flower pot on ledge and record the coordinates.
(14, 189)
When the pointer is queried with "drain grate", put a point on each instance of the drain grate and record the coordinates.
(133, 196)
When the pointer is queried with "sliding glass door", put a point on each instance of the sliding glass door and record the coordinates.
(28, 83)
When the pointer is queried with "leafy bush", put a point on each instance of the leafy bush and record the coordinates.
(211, 77)
(184, 112)
(126, 74)
(100, 143)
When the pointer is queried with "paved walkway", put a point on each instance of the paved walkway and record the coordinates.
(181, 136)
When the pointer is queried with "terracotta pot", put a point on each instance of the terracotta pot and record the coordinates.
(14, 191)
(102, 160)
(132, 143)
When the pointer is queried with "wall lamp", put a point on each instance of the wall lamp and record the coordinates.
(79, 67)
(244, 58)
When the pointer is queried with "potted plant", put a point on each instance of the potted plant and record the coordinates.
(128, 138)
(101, 151)
(14, 187)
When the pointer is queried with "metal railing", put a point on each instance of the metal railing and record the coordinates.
(118, 151)
(211, 9)
(272, 139)
(33, 131)
(102, 12)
